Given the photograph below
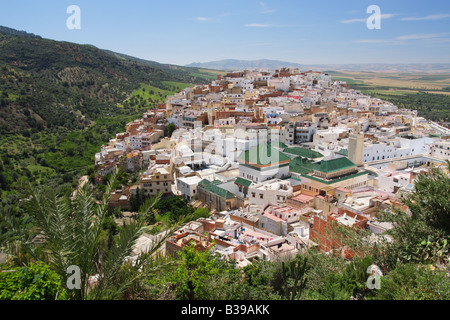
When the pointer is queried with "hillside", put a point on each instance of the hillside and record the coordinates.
(60, 101)
(202, 73)
(46, 83)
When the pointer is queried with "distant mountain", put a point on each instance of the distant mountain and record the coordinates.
(233, 65)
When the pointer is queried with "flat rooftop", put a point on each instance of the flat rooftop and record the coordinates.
(303, 198)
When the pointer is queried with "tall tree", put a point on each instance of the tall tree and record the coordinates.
(70, 230)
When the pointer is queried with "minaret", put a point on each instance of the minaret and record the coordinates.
(356, 146)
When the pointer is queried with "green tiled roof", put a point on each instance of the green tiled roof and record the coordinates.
(305, 167)
(301, 165)
(263, 154)
(336, 180)
(243, 182)
(343, 152)
(278, 144)
(332, 165)
(213, 188)
(302, 152)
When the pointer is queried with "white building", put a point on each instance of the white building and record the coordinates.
(188, 187)
(441, 149)
(272, 192)
(135, 142)
(391, 181)
(396, 148)
(263, 163)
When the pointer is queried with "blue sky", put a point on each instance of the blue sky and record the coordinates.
(310, 32)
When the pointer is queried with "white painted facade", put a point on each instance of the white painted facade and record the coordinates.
(441, 149)
(273, 192)
(188, 187)
(396, 148)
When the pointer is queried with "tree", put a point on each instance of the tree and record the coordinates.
(422, 234)
(430, 202)
(294, 277)
(191, 277)
(201, 213)
(171, 127)
(71, 231)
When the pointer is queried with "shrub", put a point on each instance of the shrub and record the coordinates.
(36, 282)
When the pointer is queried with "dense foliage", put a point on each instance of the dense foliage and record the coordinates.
(36, 282)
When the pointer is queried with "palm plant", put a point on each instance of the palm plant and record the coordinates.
(70, 230)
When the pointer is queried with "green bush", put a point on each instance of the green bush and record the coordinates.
(36, 282)
(414, 282)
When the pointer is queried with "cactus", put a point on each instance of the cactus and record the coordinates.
(294, 277)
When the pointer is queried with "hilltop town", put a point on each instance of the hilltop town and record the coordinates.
(276, 157)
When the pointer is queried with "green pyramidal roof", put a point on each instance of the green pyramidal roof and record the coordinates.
(332, 165)
(263, 154)
(306, 153)
(303, 166)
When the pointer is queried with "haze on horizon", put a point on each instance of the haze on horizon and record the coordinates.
(183, 32)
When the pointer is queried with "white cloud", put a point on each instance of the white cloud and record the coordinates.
(202, 19)
(383, 16)
(428, 37)
(265, 8)
(429, 17)
(422, 36)
(257, 25)
(374, 41)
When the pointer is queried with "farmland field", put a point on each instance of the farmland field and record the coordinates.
(392, 82)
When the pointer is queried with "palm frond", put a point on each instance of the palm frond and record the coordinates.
(19, 237)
